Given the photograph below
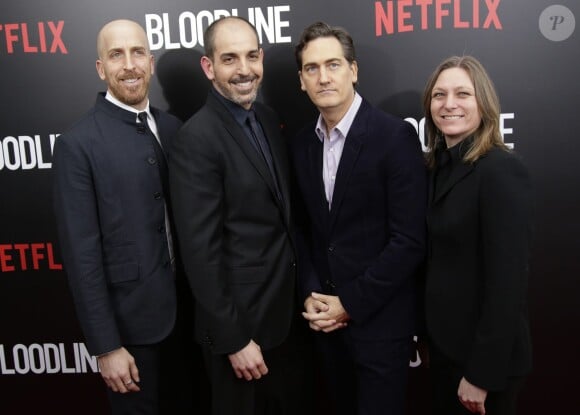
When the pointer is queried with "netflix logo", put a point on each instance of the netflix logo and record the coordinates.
(40, 37)
(28, 257)
(402, 16)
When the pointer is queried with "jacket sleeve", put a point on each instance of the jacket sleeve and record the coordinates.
(79, 234)
(308, 280)
(505, 233)
(197, 194)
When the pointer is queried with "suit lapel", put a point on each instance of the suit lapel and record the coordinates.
(256, 160)
(276, 143)
(350, 153)
(431, 186)
(241, 139)
(314, 160)
(457, 174)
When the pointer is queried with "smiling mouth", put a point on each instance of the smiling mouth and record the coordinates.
(452, 117)
(130, 81)
(243, 85)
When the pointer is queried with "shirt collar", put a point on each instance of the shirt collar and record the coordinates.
(239, 113)
(344, 124)
(455, 153)
(111, 98)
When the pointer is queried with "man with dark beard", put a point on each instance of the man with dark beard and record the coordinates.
(231, 197)
(111, 205)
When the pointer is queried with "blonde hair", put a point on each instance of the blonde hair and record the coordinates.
(487, 134)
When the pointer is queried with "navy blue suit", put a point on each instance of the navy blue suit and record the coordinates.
(109, 206)
(110, 210)
(367, 250)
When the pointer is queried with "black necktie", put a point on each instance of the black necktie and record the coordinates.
(261, 145)
(143, 128)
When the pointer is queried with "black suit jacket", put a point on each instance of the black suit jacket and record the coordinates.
(109, 207)
(370, 246)
(233, 231)
(479, 238)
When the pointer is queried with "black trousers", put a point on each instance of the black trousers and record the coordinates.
(287, 389)
(172, 373)
(364, 377)
(146, 401)
(445, 378)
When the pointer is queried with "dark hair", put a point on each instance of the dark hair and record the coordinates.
(321, 29)
(209, 34)
(488, 134)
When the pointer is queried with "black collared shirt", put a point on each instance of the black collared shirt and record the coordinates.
(239, 113)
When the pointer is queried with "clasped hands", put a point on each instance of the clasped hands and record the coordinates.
(324, 312)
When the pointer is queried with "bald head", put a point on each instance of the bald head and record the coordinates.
(209, 37)
(125, 62)
(120, 29)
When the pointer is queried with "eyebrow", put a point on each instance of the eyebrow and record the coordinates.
(120, 48)
(325, 62)
(234, 54)
(439, 88)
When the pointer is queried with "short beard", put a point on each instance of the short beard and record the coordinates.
(241, 100)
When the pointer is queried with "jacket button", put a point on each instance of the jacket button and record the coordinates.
(157, 195)
(330, 248)
(161, 229)
(330, 284)
(152, 160)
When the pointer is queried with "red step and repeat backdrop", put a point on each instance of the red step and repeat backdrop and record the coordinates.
(48, 80)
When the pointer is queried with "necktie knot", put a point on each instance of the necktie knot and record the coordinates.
(142, 116)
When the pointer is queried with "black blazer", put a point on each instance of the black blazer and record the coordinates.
(479, 226)
(109, 208)
(233, 231)
(370, 246)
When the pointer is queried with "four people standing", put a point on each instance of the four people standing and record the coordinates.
(360, 204)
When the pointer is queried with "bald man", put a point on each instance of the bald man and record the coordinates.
(112, 212)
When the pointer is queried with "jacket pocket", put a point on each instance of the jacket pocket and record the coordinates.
(119, 273)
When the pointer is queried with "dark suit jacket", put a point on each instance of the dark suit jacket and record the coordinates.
(479, 235)
(110, 213)
(369, 247)
(233, 231)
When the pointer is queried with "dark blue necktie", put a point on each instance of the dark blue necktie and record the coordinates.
(261, 145)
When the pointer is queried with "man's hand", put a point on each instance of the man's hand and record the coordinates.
(119, 371)
(249, 363)
(472, 397)
(325, 312)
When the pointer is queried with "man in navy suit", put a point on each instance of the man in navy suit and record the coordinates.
(114, 229)
(361, 186)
